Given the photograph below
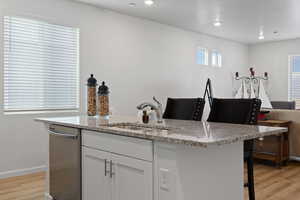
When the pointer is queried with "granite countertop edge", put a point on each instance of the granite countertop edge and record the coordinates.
(167, 139)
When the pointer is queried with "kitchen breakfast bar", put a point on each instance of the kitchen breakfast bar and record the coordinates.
(119, 158)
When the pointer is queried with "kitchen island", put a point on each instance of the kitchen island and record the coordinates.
(176, 160)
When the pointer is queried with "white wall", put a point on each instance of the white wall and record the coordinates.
(272, 57)
(137, 58)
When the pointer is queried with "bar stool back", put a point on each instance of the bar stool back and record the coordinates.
(238, 111)
(184, 109)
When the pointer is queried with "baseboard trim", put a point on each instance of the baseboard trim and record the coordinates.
(21, 172)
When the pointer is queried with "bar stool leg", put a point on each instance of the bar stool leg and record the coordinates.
(250, 178)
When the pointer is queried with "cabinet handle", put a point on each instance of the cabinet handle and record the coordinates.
(65, 135)
(111, 169)
(105, 167)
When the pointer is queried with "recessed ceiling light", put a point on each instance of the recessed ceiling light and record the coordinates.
(149, 2)
(217, 23)
(132, 4)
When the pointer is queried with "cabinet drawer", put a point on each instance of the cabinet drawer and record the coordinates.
(132, 147)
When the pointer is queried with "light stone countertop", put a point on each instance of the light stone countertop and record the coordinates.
(191, 133)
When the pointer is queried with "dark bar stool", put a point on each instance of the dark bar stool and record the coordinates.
(239, 111)
(184, 109)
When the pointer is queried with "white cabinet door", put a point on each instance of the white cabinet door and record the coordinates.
(96, 183)
(132, 179)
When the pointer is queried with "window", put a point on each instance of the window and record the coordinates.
(202, 56)
(41, 69)
(294, 79)
(216, 58)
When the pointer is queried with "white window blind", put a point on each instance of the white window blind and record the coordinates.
(294, 79)
(202, 56)
(41, 69)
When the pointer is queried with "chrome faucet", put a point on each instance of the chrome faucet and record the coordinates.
(157, 108)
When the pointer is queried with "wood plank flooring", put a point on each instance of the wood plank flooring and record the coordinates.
(277, 184)
(29, 187)
(271, 184)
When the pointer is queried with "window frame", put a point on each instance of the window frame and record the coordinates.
(206, 55)
(289, 81)
(289, 75)
(77, 98)
(219, 58)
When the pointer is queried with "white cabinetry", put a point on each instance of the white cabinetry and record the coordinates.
(132, 180)
(113, 169)
(95, 184)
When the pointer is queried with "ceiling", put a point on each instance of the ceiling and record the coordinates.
(241, 20)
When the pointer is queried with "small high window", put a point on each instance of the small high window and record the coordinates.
(202, 56)
(216, 58)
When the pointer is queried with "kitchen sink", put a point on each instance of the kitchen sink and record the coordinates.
(142, 127)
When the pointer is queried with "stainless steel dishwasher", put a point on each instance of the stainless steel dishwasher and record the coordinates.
(65, 163)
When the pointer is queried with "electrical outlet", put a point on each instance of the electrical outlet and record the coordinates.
(164, 179)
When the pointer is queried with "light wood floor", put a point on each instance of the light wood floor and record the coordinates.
(29, 187)
(277, 184)
(271, 184)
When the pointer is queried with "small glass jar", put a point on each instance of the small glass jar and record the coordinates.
(92, 101)
(103, 100)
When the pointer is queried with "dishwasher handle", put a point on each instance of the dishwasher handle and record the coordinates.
(71, 136)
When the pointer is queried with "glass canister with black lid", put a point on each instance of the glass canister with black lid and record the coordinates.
(92, 96)
(103, 100)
